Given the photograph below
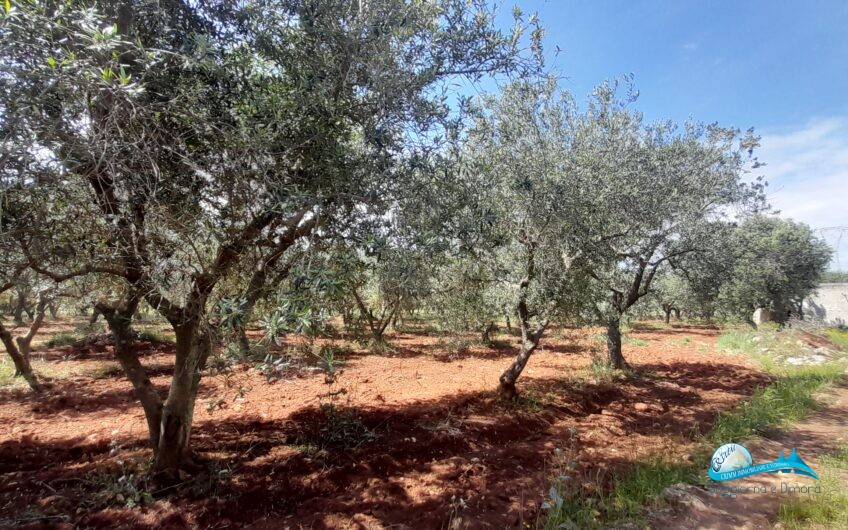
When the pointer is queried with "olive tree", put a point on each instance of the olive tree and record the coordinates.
(653, 191)
(166, 140)
(517, 159)
(775, 264)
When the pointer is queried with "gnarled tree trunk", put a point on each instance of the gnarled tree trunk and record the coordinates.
(485, 333)
(615, 356)
(20, 306)
(529, 338)
(193, 347)
(23, 368)
(119, 319)
(529, 343)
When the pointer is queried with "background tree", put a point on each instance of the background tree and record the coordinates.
(776, 264)
(651, 191)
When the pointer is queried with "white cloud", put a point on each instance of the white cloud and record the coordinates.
(807, 171)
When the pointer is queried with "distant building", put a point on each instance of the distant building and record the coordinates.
(829, 304)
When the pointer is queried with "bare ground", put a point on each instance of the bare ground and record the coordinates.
(445, 450)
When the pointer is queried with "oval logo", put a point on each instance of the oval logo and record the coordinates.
(730, 457)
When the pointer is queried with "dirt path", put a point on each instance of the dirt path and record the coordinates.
(821, 433)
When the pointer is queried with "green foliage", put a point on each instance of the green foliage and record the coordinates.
(152, 335)
(788, 398)
(834, 277)
(128, 486)
(775, 263)
(575, 505)
(633, 341)
(454, 346)
(602, 371)
(7, 372)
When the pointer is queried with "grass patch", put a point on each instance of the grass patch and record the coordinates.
(153, 335)
(63, 339)
(828, 509)
(683, 341)
(584, 506)
(633, 341)
(738, 342)
(780, 404)
(838, 337)
(7, 372)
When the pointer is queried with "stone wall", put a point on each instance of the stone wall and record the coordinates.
(829, 304)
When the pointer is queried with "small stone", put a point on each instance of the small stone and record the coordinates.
(683, 495)
(642, 407)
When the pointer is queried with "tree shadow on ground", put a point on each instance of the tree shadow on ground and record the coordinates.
(409, 465)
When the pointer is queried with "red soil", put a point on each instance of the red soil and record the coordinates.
(446, 448)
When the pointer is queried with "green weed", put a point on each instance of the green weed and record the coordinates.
(7, 372)
(828, 509)
(63, 339)
(780, 404)
(838, 337)
(633, 341)
(572, 505)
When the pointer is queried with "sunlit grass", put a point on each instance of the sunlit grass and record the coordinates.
(828, 509)
(838, 337)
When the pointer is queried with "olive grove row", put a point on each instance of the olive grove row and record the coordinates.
(289, 162)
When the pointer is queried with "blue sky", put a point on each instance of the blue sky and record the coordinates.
(779, 66)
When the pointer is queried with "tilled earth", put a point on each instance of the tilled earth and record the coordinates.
(417, 438)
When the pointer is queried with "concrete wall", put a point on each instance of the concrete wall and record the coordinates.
(829, 304)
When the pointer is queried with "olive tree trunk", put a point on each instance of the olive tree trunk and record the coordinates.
(23, 368)
(18, 311)
(529, 343)
(615, 356)
(19, 348)
(193, 346)
(119, 319)
(486, 333)
(529, 338)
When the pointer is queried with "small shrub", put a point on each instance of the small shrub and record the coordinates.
(126, 486)
(343, 428)
(380, 346)
(152, 335)
(63, 339)
(454, 346)
(601, 369)
(275, 365)
(87, 329)
(7, 371)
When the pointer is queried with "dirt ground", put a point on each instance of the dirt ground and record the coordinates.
(431, 445)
